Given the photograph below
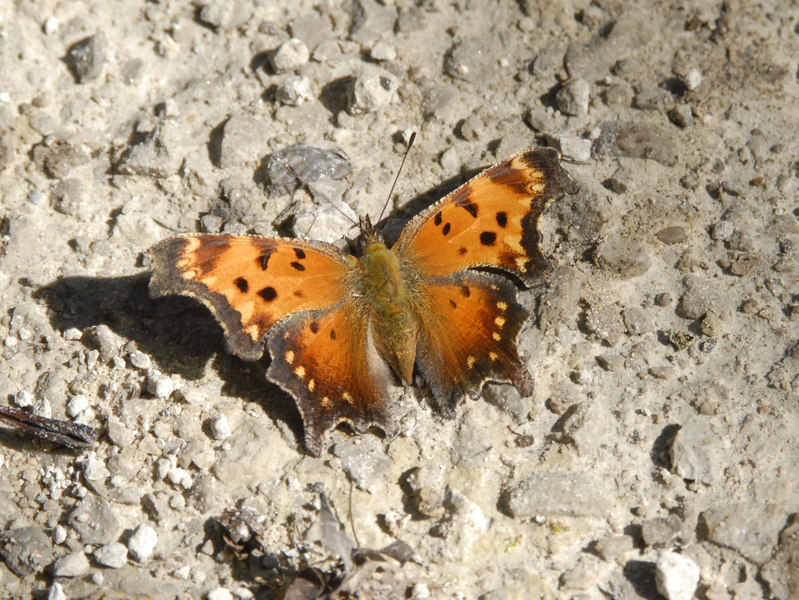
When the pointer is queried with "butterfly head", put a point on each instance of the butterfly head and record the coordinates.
(369, 235)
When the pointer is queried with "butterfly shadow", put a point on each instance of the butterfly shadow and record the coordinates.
(178, 334)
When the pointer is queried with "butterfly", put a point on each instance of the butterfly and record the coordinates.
(340, 328)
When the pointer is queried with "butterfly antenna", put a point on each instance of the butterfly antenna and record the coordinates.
(312, 192)
(352, 522)
(411, 140)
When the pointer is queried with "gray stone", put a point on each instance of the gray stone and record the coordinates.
(255, 451)
(552, 494)
(780, 571)
(56, 592)
(95, 521)
(371, 20)
(103, 339)
(676, 576)
(72, 565)
(294, 91)
(310, 163)
(637, 140)
(244, 139)
(682, 115)
(604, 321)
(68, 196)
(701, 296)
(637, 321)
(57, 156)
(472, 60)
(26, 550)
(114, 555)
(672, 235)
(141, 544)
(752, 530)
(622, 255)
(696, 452)
(661, 531)
(364, 461)
(160, 153)
(371, 90)
(87, 57)
(573, 98)
(571, 147)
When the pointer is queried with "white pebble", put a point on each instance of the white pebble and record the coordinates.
(73, 334)
(220, 428)
(95, 470)
(160, 385)
(162, 467)
(220, 594)
(294, 91)
(50, 26)
(693, 79)
(113, 555)
(141, 544)
(182, 573)
(59, 534)
(676, 576)
(180, 477)
(56, 592)
(76, 405)
(23, 399)
(71, 565)
(383, 51)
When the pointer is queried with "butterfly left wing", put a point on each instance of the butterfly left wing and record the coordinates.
(491, 221)
(250, 283)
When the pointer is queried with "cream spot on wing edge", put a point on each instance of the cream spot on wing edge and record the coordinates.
(289, 356)
(311, 385)
(499, 322)
(492, 356)
(348, 398)
(300, 372)
(515, 243)
(326, 402)
(470, 361)
(521, 264)
(496, 336)
(503, 306)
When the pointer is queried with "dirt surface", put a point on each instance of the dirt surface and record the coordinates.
(658, 454)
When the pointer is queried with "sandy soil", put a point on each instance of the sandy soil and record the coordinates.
(658, 454)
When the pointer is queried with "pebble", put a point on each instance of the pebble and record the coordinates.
(696, 452)
(291, 55)
(139, 359)
(95, 470)
(383, 51)
(472, 60)
(749, 529)
(86, 58)
(26, 550)
(181, 477)
(59, 534)
(114, 555)
(72, 565)
(294, 91)
(661, 531)
(244, 139)
(364, 461)
(571, 147)
(310, 163)
(623, 256)
(693, 79)
(73, 334)
(141, 544)
(554, 494)
(672, 235)
(56, 592)
(637, 321)
(220, 594)
(76, 405)
(94, 520)
(371, 90)
(160, 386)
(676, 576)
(573, 98)
(220, 428)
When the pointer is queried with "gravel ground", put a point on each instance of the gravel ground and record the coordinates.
(658, 454)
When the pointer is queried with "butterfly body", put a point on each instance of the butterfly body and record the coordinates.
(338, 326)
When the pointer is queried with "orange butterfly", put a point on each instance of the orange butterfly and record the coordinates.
(337, 325)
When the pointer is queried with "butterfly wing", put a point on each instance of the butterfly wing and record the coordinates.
(327, 360)
(491, 221)
(303, 301)
(470, 321)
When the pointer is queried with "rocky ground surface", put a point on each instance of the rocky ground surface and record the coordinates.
(658, 455)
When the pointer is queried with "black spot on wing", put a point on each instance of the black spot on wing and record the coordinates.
(314, 327)
(488, 238)
(465, 291)
(298, 266)
(446, 229)
(462, 251)
(452, 304)
(263, 259)
(268, 293)
(242, 284)
(438, 218)
(502, 219)
(298, 294)
(467, 205)
(299, 253)
(332, 334)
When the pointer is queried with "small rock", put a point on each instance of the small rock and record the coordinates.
(695, 452)
(220, 594)
(723, 230)
(383, 51)
(553, 494)
(160, 386)
(220, 428)
(95, 470)
(181, 477)
(571, 147)
(693, 79)
(676, 576)
(294, 91)
(573, 98)
(472, 60)
(76, 405)
(311, 164)
(114, 555)
(610, 362)
(56, 592)
(103, 339)
(141, 544)
(672, 235)
(86, 58)
(72, 565)
(244, 139)
(605, 322)
(95, 521)
(371, 90)
(744, 264)
(751, 530)
(663, 299)
(139, 359)
(682, 116)
(364, 460)
(291, 55)
(661, 531)
(159, 153)
(636, 321)
(59, 534)
(26, 550)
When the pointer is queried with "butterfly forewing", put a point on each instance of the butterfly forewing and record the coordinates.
(491, 221)
(250, 283)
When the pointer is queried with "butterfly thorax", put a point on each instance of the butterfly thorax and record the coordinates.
(393, 322)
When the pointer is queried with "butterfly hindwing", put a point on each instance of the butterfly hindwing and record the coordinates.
(470, 337)
(250, 283)
(326, 359)
(491, 221)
